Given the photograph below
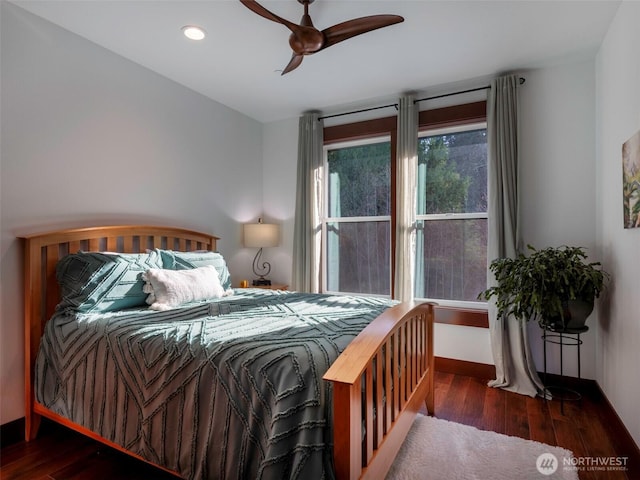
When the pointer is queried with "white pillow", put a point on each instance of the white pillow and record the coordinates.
(170, 288)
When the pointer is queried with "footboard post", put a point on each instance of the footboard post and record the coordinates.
(347, 430)
(33, 326)
(31, 426)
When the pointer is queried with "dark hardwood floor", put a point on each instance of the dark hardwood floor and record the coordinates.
(585, 427)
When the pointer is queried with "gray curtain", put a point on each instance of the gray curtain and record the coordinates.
(307, 229)
(407, 165)
(515, 369)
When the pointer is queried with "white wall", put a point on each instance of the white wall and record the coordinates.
(558, 180)
(618, 118)
(280, 154)
(91, 138)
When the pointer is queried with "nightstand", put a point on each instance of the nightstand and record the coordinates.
(275, 286)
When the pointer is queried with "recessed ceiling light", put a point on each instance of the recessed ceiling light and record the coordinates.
(193, 32)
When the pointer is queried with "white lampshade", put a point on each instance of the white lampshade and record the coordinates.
(261, 235)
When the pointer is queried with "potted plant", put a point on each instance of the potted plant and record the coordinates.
(556, 286)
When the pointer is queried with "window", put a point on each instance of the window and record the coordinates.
(357, 225)
(451, 215)
(451, 206)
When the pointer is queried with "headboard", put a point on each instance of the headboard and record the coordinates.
(42, 252)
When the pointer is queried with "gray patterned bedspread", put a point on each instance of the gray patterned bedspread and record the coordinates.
(230, 389)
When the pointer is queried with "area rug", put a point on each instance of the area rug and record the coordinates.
(437, 449)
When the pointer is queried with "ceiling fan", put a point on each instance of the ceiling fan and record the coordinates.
(305, 39)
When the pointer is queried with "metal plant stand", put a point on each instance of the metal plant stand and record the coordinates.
(564, 337)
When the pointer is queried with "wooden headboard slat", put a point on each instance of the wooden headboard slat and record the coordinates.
(128, 244)
(74, 246)
(41, 292)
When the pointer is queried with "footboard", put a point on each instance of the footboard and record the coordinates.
(379, 384)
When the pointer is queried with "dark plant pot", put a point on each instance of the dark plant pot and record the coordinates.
(575, 315)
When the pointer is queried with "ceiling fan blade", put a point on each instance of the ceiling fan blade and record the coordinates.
(294, 63)
(263, 12)
(351, 28)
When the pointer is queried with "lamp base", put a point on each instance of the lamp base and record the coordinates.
(261, 282)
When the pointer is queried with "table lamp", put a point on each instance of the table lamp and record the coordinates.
(261, 235)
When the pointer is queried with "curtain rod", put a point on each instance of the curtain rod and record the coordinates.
(522, 80)
(360, 111)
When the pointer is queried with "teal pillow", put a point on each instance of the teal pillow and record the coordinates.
(173, 260)
(104, 282)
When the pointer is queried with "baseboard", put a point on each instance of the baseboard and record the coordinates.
(12, 432)
(486, 371)
(622, 439)
(584, 385)
(483, 371)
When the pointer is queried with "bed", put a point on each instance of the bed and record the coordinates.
(241, 411)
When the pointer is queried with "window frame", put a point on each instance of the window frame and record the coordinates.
(428, 120)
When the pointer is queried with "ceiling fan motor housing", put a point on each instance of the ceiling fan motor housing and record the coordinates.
(306, 41)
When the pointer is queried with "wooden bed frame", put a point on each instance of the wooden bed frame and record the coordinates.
(400, 340)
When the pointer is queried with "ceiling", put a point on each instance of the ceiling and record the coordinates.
(440, 43)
